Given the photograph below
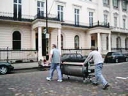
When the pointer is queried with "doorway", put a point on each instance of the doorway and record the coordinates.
(43, 44)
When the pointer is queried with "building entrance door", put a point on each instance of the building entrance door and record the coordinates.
(43, 44)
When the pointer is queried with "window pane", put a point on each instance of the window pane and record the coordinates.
(76, 42)
(38, 3)
(15, 1)
(19, 1)
(16, 36)
(16, 40)
(16, 44)
(42, 4)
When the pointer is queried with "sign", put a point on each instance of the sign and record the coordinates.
(47, 35)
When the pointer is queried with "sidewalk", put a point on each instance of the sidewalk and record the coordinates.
(25, 65)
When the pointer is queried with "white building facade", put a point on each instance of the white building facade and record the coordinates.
(72, 24)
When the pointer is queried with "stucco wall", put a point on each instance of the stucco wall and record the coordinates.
(6, 31)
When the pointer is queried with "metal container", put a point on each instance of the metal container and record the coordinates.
(76, 70)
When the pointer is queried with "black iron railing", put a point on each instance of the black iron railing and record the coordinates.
(43, 16)
(123, 50)
(84, 25)
(16, 56)
(28, 18)
(81, 51)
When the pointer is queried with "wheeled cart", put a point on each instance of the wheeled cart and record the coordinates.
(76, 69)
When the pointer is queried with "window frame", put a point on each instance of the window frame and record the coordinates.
(17, 9)
(91, 18)
(16, 40)
(76, 42)
(76, 16)
(60, 11)
(40, 9)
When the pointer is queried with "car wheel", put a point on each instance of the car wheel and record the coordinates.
(3, 69)
(126, 59)
(116, 60)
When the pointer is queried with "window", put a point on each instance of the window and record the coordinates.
(105, 19)
(124, 23)
(17, 9)
(124, 5)
(105, 2)
(126, 43)
(115, 3)
(16, 43)
(115, 21)
(76, 12)
(76, 42)
(60, 12)
(118, 42)
(92, 42)
(90, 18)
(107, 43)
(40, 9)
(62, 41)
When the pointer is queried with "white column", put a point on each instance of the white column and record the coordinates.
(40, 43)
(59, 39)
(33, 38)
(109, 42)
(99, 42)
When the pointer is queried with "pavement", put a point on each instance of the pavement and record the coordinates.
(34, 83)
(30, 65)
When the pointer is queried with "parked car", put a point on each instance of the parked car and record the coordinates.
(5, 67)
(115, 57)
(72, 57)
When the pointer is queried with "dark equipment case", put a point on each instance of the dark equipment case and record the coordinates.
(86, 72)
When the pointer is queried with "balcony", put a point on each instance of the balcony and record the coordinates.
(26, 18)
(118, 29)
(9, 16)
(43, 16)
(86, 25)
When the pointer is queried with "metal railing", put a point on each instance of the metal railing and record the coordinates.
(81, 51)
(123, 50)
(29, 18)
(15, 56)
(85, 25)
(54, 17)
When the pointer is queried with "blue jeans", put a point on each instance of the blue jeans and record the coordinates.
(55, 66)
(98, 74)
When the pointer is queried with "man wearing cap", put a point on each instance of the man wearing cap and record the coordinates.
(98, 62)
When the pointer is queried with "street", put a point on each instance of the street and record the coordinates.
(33, 83)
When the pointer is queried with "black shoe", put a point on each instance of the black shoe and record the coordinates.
(105, 87)
(95, 84)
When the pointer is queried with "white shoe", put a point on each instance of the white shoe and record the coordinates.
(48, 78)
(59, 80)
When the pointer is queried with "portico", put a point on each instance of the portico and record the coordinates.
(101, 39)
(38, 26)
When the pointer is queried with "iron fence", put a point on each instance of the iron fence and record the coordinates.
(18, 56)
(81, 51)
(123, 50)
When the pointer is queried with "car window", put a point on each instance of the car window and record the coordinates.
(117, 54)
(109, 54)
(65, 56)
(79, 56)
(72, 56)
